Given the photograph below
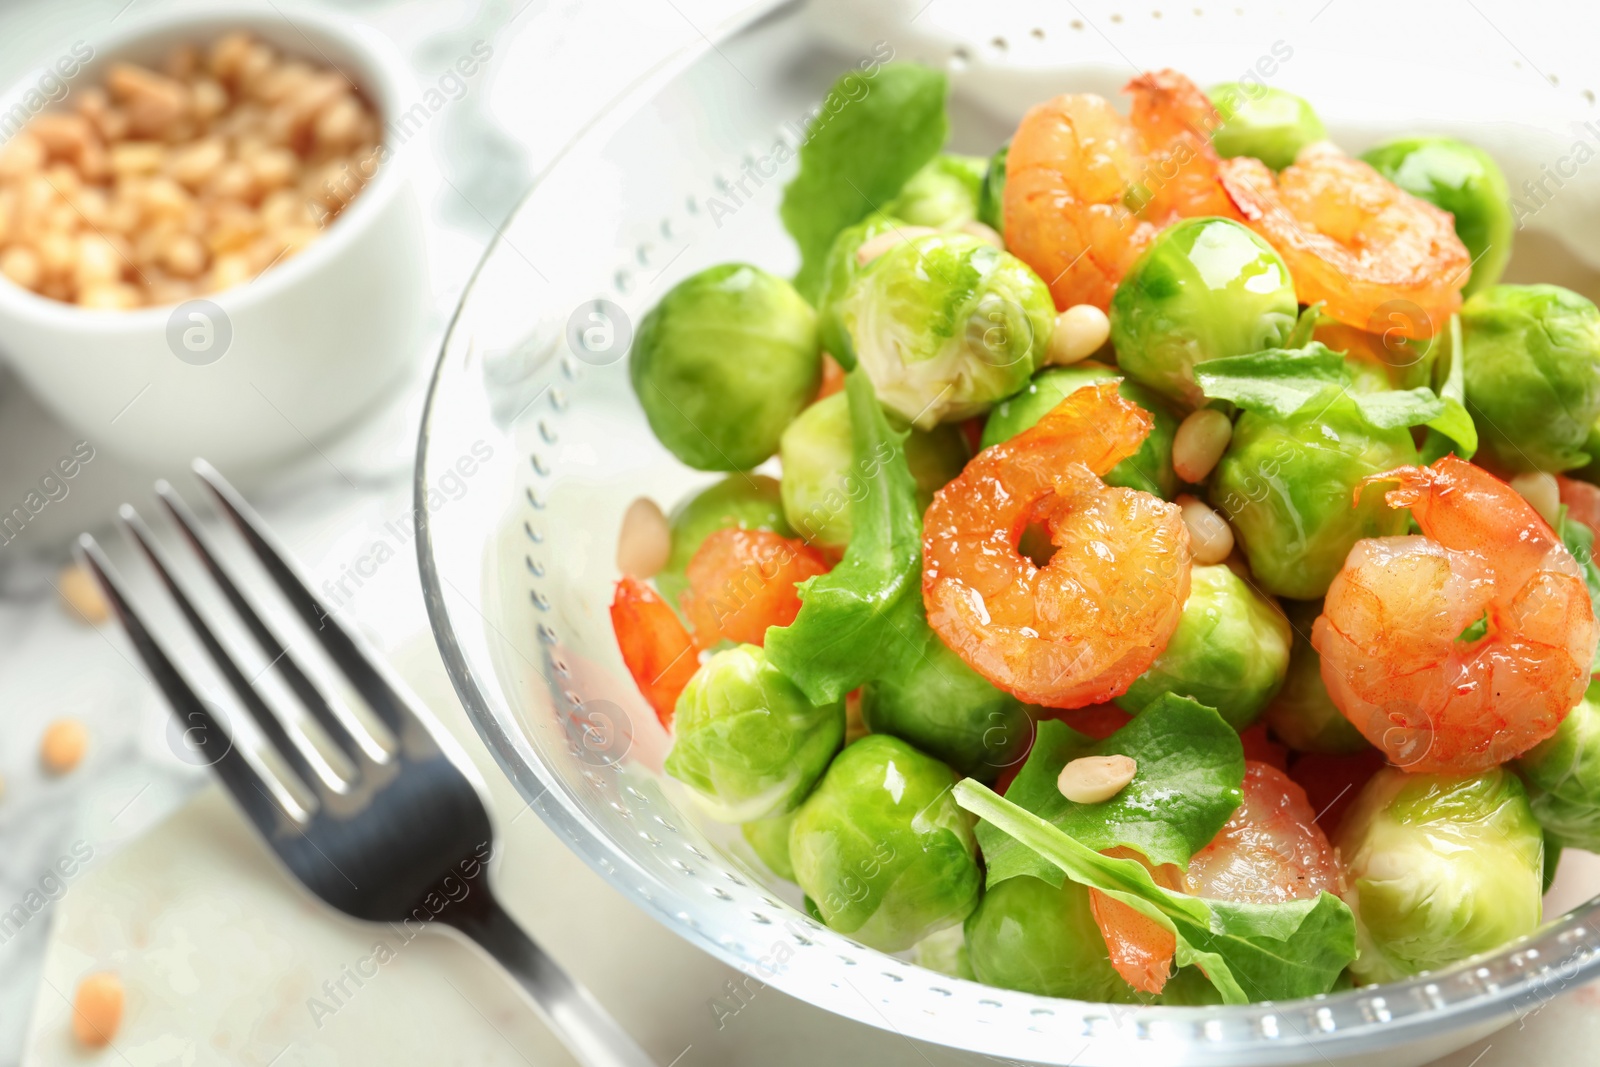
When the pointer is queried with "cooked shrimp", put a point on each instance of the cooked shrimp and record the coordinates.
(1463, 648)
(1270, 851)
(655, 646)
(1582, 501)
(743, 581)
(1075, 164)
(1354, 240)
(1081, 628)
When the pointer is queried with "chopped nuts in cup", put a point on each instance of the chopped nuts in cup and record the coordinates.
(192, 178)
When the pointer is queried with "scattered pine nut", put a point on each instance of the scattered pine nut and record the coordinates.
(1542, 491)
(63, 745)
(1201, 439)
(1079, 332)
(81, 598)
(1210, 536)
(1096, 779)
(97, 1009)
(645, 541)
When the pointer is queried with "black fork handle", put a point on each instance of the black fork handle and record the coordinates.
(587, 1030)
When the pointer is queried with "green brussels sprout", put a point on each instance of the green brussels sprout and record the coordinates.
(1439, 868)
(948, 710)
(819, 475)
(838, 271)
(1229, 652)
(746, 741)
(723, 363)
(1532, 368)
(1205, 288)
(770, 840)
(1148, 470)
(882, 847)
(1563, 776)
(1303, 715)
(991, 198)
(943, 194)
(945, 325)
(1030, 936)
(945, 951)
(1462, 179)
(748, 501)
(1286, 485)
(1270, 124)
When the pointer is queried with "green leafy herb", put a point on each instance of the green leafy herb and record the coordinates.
(1393, 408)
(1476, 630)
(1249, 951)
(863, 619)
(1453, 430)
(1191, 768)
(1579, 540)
(1304, 326)
(872, 134)
(1274, 381)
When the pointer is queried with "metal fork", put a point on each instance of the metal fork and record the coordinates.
(403, 835)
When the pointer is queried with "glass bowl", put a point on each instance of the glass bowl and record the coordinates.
(533, 445)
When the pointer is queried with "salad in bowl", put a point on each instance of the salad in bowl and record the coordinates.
(1151, 564)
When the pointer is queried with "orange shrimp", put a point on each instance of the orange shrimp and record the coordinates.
(655, 646)
(1582, 501)
(1075, 163)
(1081, 628)
(1354, 240)
(743, 581)
(1403, 655)
(1271, 850)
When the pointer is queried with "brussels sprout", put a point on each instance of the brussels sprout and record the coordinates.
(838, 271)
(943, 194)
(1439, 868)
(1030, 936)
(1532, 366)
(1270, 124)
(1229, 652)
(882, 847)
(746, 740)
(945, 325)
(1286, 485)
(1461, 179)
(748, 501)
(1302, 715)
(991, 198)
(1148, 470)
(770, 840)
(819, 475)
(1563, 775)
(1205, 288)
(948, 710)
(723, 363)
(945, 951)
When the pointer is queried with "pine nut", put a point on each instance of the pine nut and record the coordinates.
(1079, 332)
(63, 745)
(1096, 779)
(1201, 439)
(874, 247)
(984, 232)
(97, 1009)
(1540, 490)
(645, 541)
(1210, 536)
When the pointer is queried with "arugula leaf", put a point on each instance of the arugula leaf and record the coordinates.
(1274, 381)
(863, 619)
(1393, 408)
(1454, 430)
(1249, 952)
(871, 134)
(1191, 769)
(1579, 540)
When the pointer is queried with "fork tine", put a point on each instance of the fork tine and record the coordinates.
(291, 746)
(263, 798)
(346, 650)
(352, 743)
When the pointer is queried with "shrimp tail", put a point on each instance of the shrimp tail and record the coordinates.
(1414, 483)
(1105, 429)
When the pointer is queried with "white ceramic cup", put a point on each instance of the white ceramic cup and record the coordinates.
(310, 343)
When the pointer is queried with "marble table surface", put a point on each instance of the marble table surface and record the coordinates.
(167, 883)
